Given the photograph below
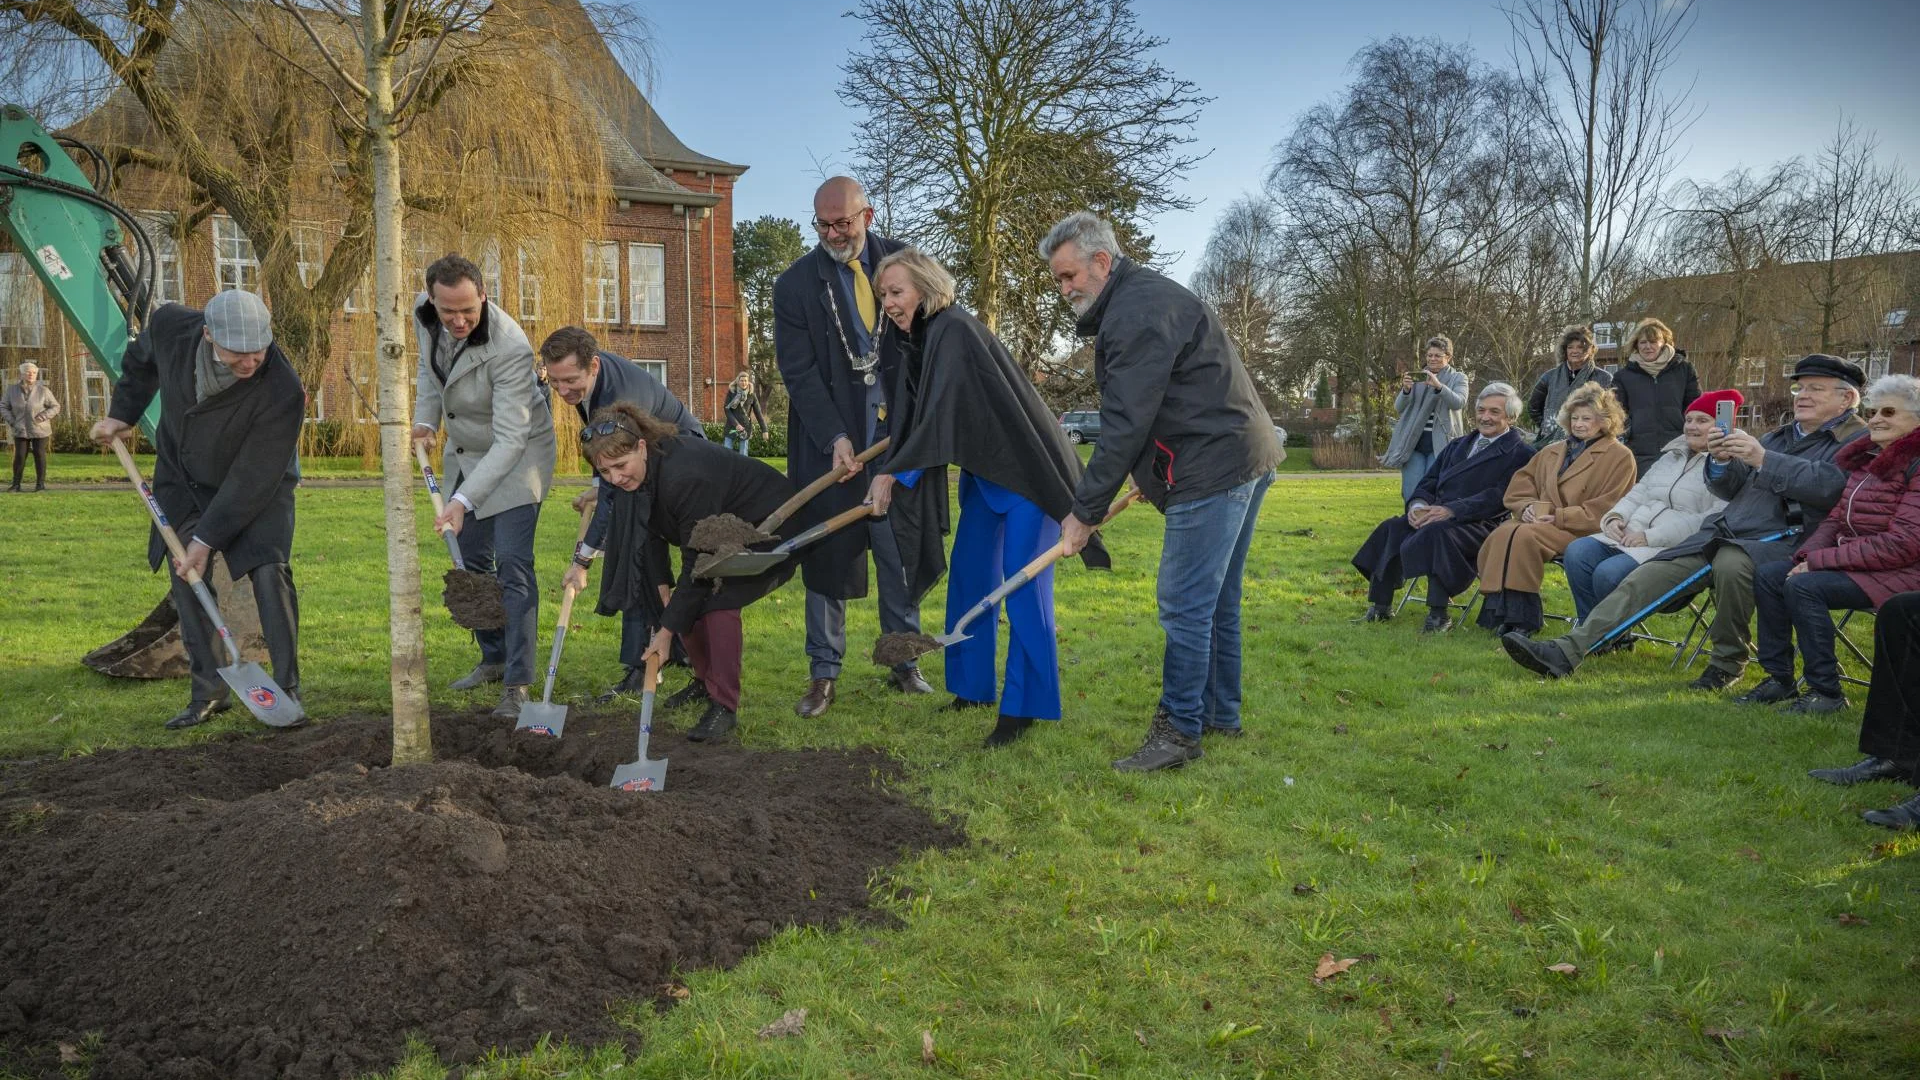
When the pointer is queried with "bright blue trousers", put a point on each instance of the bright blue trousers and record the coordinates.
(999, 532)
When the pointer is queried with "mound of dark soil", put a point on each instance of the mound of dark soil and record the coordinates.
(473, 599)
(289, 906)
(724, 534)
(892, 650)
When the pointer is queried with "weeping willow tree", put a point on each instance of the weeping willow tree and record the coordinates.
(341, 147)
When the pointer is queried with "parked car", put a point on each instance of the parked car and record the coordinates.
(1081, 427)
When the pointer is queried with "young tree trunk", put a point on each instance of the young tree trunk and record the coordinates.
(412, 738)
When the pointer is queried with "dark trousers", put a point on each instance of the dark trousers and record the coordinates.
(1891, 727)
(827, 617)
(279, 607)
(714, 647)
(1797, 606)
(38, 447)
(502, 545)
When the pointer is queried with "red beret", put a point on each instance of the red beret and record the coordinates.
(1710, 400)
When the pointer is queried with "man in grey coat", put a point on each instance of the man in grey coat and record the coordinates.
(476, 378)
(1778, 487)
(28, 408)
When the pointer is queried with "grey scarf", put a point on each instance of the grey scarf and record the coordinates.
(210, 376)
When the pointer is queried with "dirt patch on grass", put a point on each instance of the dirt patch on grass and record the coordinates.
(289, 906)
(892, 650)
(473, 599)
(725, 534)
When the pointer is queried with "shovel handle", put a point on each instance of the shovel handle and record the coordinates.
(1036, 567)
(439, 505)
(832, 525)
(805, 495)
(648, 687)
(179, 553)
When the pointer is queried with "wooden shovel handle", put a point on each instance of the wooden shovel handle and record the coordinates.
(568, 593)
(828, 527)
(433, 486)
(805, 495)
(653, 673)
(1040, 563)
(153, 507)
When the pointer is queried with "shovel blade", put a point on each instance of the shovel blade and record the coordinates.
(542, 718)
(641, 776)
(745, 564)
(262, 696)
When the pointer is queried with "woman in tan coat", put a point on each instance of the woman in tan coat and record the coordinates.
(1559, 497)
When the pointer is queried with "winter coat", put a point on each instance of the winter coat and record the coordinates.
(225, 468)
(693, 480)
(1769, 508)
(498, 419)
(29, 411)
(1656, 407)
(1516, 555)
(1873, 533)
(1414, 407)
(1470, 486)
(743, 411)
(1669, 504)
(621, 379)
(1543, 404)
(1177, 409)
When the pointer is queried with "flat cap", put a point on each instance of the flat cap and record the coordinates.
(238, 322)
(1822, 366)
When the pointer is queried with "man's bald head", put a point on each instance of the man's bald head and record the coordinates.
(841, 216)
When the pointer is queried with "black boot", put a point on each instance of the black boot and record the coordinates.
(633, 682)
(1007, 730)
(198, 712)
(715, 724)
(1902, 816)
(1165, 747)
(1868, 768)
(693, 692)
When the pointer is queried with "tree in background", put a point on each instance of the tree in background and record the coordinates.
(762, 248)
(1850, 205)
(1726, 237)
(1239, 277)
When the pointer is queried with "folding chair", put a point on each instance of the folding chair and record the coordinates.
(1465, 610)
(1840, 635)
(1676, 599)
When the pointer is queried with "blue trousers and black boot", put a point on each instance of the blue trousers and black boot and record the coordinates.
(1000, 532)
(502, 545)
(1203, 559)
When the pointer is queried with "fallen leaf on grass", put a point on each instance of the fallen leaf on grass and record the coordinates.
(1437, 676)
(69, 1054)
(1749, 854)
(1329, 967)
(1564, 969)
(55, 718)
(1141, 1038)
(1303, 889)
(926, 1047)
(1449, 999)
(793, 1022)
(1518, 915)
(1339, 729)
(676, 992)
(1848, 918)
(1462, 774)
(1724, 1034)
(1493, 746)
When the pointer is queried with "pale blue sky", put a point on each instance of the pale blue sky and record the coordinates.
(754, 81)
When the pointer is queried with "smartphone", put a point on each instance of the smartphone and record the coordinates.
(1723, 417)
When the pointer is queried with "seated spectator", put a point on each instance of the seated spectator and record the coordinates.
(1450, 514)
(1772, 485)
(1575, 370)
(1866, 550)
(1890, 732)
(1559, 497)
(1668, 505)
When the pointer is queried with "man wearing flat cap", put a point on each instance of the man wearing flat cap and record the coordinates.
(230, 413)
(1778, 487)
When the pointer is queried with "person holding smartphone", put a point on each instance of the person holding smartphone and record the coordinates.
(1429, 405)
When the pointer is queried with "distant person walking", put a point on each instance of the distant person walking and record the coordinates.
(743, 412)
(29, 408)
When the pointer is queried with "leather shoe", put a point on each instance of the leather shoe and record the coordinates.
(633, 682)
(1867, 768)
(908, 681)
(481, 675)
(198, 712)
(1539, 657)
(1814, 702)
(1377, 613)
(1166, 747)
(1770, 691)
(511, 699)
(1007, 730)
(815, 701)
(1438, 622)
(693, 692)
(715, 724)
(1714, 678)
(1903, 816)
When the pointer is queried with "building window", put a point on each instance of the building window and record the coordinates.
(602, 292)
(23, 309)
(309, 253)
(1756, 371)
(96, 390)
(490, 271)
(529, 285)
(234, 264)
(647, 284)
(361, 406)
(1877, 363)
(360, 297)
(319, 404)
(169, 282)
(1605, 335)
(1786, 369)
(655, 368)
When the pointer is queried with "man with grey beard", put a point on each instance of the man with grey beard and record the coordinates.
(1179, 413)
(837, 365)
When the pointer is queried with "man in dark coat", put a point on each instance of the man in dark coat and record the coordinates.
(1178, 412)
(1453, 510)
(632, 586)
(230, 413)
(826, 339)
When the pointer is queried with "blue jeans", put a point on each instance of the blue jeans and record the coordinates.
(503, 545)
(1202, 560)
(1593, 568)
(1414, 471)
(736, 440)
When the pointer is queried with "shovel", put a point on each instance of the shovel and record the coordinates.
(543, 717)
(464, 617)
(806, 494)
(749, 563)
(641, 774)
(892, 650)
(259, 693)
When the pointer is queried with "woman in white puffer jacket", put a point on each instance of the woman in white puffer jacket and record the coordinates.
(1670, 503)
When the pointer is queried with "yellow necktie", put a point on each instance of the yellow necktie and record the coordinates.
(863, 296)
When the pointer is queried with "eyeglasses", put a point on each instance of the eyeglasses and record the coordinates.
(844, 224)
(1886, 411)
(1818, 391)
(603, 429)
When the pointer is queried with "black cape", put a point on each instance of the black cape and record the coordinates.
(960, 399)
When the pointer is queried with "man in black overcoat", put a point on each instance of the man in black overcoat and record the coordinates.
(230, 412)
(1454, 508)
(827, 342)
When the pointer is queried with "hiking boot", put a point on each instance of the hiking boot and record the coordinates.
(815, 701)
(908, 681)
(1007, 730)
(196, 713)
(482, 674)
(690, 694)
(1714, 678)
(1165, 748)
(1539, 657)
(1867, 768)
(1902, 816)
(1769, 692)
(1377, 613)
(1438, 622)
(511, 699)
(715, 724)
(633, 682)
(1816, 703)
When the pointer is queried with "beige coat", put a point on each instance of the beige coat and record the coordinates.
(1516, 555)
(28, 412)
(497, 415)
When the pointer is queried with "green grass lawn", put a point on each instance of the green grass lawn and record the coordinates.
(1418, 804)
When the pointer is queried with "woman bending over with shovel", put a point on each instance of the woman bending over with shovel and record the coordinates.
(960, 399)
(679, 482)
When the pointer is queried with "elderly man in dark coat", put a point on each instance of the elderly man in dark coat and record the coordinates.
(1453, 509)
(837, 369)
(230, 413)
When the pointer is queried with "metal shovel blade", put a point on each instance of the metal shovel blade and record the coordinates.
(641, 774)
(262, 696)
(742, 564)
(542, 718)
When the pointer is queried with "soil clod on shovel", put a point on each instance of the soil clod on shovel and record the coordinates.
(725, 534)
(892, 650)
(473, 599)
